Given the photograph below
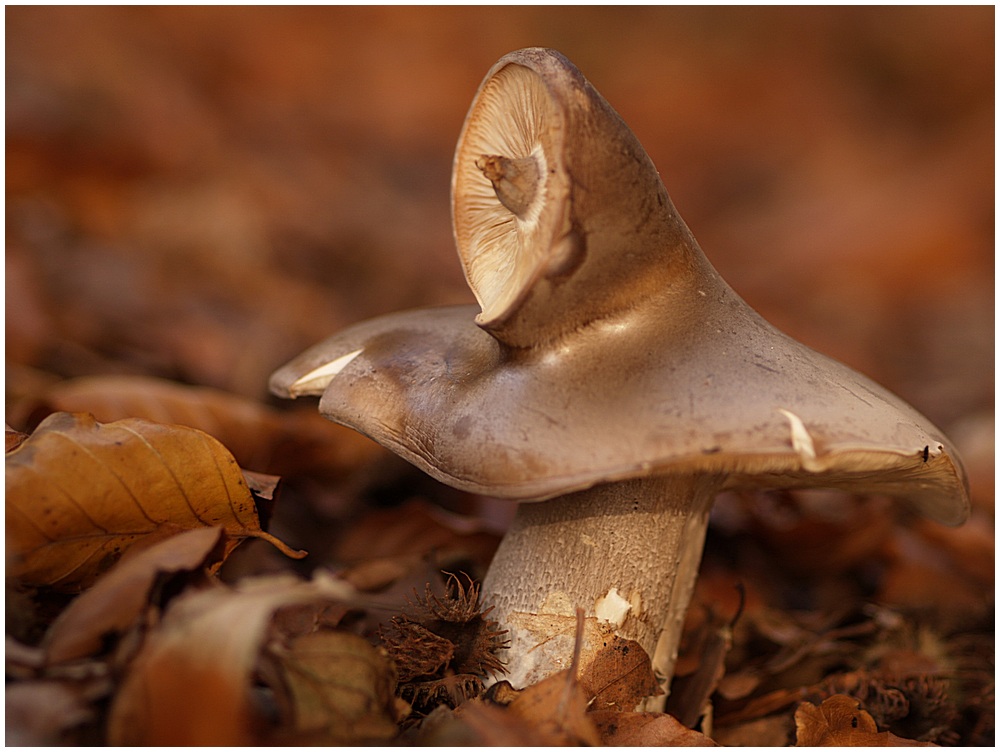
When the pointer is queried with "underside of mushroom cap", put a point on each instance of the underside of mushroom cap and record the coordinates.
(560, 217)
(629, 398)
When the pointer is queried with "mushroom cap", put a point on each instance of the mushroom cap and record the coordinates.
(715, 391)
(606, 346)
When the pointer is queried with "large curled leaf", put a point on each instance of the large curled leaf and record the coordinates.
(80, 493)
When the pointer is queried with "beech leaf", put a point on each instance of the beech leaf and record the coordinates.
(117, 598)
(80, 493)
(341, 689)
(840, 721)
(646, 730)
(13, 439)
(556, 708)
(190, 683)
(619, 676)
(262, 438)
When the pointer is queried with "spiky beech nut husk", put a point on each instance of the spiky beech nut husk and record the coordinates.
(445, 646)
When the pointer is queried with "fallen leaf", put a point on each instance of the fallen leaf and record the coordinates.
(771, 731)
(80, 493)
(478, 724)
(121, 593)
(340, 689)
(190, 683)
(632, 729)
(690, 695)
(619, 676)
(44, 713)
(262, 438)
(13, 439)
(415, 527)
(556, 707)
(841, 721)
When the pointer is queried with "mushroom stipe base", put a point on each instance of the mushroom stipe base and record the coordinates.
(637, 543)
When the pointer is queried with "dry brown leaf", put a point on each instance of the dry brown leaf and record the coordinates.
(620, 676)
(13, 439)
(121, 593)
(44, 713)
(770, 731)
(556, 707)
(340, 690)
(840, 721)
(190, 683)
(630, 729)
(415, 527)
(478, 724)
(690, 695)
(79, 493)
(285, 443)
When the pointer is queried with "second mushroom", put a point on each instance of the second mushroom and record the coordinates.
(609, 380)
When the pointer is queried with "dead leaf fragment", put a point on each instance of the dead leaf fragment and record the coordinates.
(261, 438)
(341, 690)
(619, 729)
(119, 595)
(44, 713)
(556, 707)
(79, 493)
(478, 724)
(13, 439)
(620, 676)
(841, 721)
(190, 683)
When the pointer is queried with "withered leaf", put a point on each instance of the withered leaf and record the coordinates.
(44, 712)
(619, 676)
(340, 689)
(119, 595)
(189, 685)
(646, 730)
(690, 695)
(556, 708)
(261, 438)
(415, 528)
(79, 493)
(841, 721)
(13, 439)
(478, 724)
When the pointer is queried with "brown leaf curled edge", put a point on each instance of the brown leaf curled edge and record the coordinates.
(80, 493)
(841, 721)
(117, 598)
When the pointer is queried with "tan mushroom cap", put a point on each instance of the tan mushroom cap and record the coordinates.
(715, 391)
(607, 347)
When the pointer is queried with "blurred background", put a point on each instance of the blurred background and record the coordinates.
(201, 193)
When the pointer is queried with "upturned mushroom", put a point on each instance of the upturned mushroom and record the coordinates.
(612, 382)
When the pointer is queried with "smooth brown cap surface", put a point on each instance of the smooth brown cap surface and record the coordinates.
(723, 393)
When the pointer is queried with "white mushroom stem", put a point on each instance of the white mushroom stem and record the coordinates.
(626, 552)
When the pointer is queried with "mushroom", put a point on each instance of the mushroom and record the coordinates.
(612, 382)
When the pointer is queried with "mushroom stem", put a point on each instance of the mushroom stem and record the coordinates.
(515, 181)
(636, 544)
